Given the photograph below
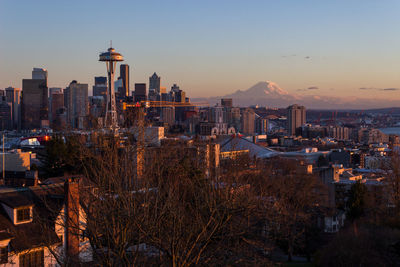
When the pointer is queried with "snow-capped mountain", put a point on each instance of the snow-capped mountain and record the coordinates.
(270, 94)
(263, 93)
(262, 89)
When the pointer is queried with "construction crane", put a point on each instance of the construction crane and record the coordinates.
(162, 104)
(138, 113)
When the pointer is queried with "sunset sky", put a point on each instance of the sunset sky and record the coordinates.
(210, 47)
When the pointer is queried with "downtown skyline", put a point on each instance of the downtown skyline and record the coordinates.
(211, 49)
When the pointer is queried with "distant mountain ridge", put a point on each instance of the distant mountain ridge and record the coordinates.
(262, 89)
(270, 94)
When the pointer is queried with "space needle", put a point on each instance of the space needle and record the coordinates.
(111, 57)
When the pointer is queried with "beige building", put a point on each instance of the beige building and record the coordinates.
(248, 119)
(296, 117)
(16, 161)
(77, 104)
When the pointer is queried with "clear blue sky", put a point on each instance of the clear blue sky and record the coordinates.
(209, 47)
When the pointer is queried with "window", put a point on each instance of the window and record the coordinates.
(23, 215)
(3, 254)
(32, 259)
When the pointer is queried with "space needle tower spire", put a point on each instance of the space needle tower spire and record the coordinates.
(111, 57)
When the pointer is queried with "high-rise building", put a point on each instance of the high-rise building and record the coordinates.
(296, 117)
(119, 89)
(39, 74)
(100, 87)
(140, 92)
(155, 83)
(34, 109)
(5, 114)
(216, 114)
(53, 90)
(124, 74)
(177, 94)
(233, 118)
(261, 125)
(100, 80)
(154, 88)
(168, 115)
(175, 88)
(76, 96)
(248, 118)
(56, 101)
(226, 102)
(13, 97)
(96, 106)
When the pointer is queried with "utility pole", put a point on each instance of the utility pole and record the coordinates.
(4, 166)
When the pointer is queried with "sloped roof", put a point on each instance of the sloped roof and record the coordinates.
(237, 143)
(47, 201)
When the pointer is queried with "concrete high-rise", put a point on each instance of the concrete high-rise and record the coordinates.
(140, 92)
(124, 74)
(5, 114)
(56, 101)
(247, 120)
(39, 74)
(119, 89)
(76, 99)
(34, 109)
(154, 87)
(13, 97)
(261, 125)
(226, 102)
(155, 83)
(100, 87)
(296, 117)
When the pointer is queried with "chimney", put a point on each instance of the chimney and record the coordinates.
(71, 191)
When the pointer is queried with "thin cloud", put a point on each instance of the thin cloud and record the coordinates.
(307, 89)
(380, 89)
(390, 89)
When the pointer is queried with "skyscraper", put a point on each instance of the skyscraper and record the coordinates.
(140, 92)
(154, 87)
(226, 102)
(248, 118)
(13, 97)
(56, 101)
(100, 87)
(296, 117)
(76, 96)
(124, 74)
(178, 95)
(261, 125)
(5, 114)
(39, 74)
(119, 89)
(155, 83)
(34, 108)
